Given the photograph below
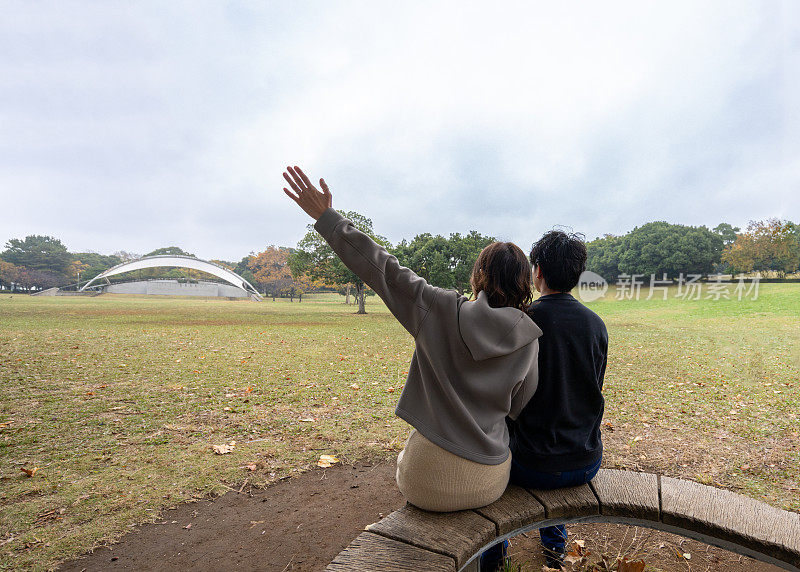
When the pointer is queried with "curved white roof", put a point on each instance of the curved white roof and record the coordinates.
(181, 262)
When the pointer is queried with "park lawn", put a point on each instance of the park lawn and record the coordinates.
(118, 401)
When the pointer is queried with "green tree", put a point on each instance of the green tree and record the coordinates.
(242, 268)
(443, 262)
(662, 248)
(794, 229)
(170, 251)
(727, 232)
(428, 256)
(316, 258)
(602, 256)
(95, 263)
(464, 251)
(39, 253)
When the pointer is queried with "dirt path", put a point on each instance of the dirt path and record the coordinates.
(302, 523)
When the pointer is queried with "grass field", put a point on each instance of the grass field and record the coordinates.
(117, 401)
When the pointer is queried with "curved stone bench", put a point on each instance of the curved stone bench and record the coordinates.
(413, 539)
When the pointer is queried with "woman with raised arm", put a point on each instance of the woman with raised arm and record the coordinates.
(474, 364)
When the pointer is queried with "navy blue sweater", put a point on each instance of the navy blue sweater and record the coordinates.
(559, 428)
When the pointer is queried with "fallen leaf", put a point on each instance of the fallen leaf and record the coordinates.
(627, 566)
(577, 551)
(326, 460)
(223, 449)
(29, 472)
(354, 386)
(251, 467)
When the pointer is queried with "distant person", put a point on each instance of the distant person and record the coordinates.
(475, 361)
(555, 440)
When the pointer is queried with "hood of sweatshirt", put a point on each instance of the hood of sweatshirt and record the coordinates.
(492, 332)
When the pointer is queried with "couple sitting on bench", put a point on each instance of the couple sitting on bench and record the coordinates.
(500, 389)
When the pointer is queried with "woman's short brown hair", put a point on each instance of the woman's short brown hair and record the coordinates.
(503, 272)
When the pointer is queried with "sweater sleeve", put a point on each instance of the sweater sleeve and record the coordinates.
(527, 387)
(408, 296)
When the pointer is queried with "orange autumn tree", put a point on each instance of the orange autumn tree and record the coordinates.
(304, 283)
(274, 275)
(271, 270)
(9, 273)
(766, 246)
(75, 269)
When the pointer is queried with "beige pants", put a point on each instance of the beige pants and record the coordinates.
(434, 479)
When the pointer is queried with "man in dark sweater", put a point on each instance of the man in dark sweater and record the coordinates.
(555, 441)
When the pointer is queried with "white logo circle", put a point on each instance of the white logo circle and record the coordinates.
(591, 286)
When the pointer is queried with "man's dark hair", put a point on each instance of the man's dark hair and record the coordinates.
(503, 273)
(562, 258)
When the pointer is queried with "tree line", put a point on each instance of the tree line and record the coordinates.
(443, 261)
(655, 248)
(659, 248)
(39, 262)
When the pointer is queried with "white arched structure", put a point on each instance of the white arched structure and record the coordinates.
(180, 262)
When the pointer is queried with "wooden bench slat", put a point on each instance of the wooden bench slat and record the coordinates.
(515, 509)
(413, 539)
(370, 552)
(732, 517)
(455, 534)
(627, 494)
(567, 502)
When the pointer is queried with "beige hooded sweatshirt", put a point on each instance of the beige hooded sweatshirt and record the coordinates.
(473, 364)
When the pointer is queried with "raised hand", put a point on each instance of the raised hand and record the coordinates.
(305, 194)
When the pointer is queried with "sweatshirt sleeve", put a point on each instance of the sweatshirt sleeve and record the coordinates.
(407, 296)
(527, 387)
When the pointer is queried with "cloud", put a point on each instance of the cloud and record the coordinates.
(136, 126)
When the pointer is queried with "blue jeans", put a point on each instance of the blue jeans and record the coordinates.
(553, 537)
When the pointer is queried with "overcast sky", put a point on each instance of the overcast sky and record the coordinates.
(135, 125)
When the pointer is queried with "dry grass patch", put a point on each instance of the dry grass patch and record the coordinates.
(118, 401)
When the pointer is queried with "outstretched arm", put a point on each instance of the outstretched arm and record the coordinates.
(407, 296)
